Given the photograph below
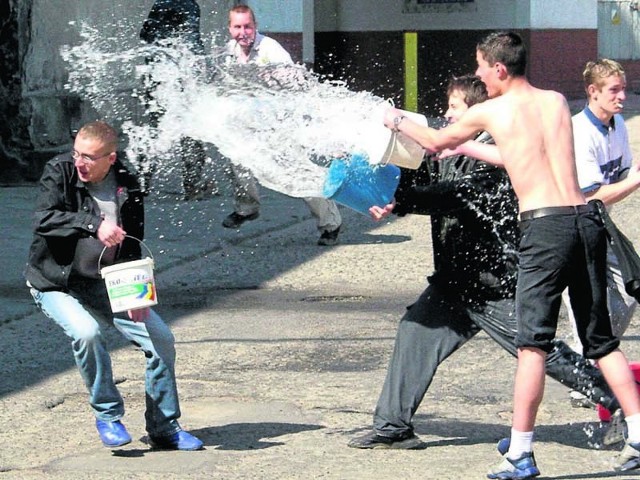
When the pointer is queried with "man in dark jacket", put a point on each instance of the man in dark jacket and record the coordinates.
(474, 230)
(88, 208)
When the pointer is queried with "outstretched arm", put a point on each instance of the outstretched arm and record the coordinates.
(437, 140)
(614, 192)
(482, 151)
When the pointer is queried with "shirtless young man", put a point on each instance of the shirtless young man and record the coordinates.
(563, 241)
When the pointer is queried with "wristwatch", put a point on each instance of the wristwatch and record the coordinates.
(396, 122)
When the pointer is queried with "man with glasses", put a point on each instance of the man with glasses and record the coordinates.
(90, 204)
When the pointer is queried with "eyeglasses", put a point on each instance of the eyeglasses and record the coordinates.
(87, 158)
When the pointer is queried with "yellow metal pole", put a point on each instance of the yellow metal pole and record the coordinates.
(411, 71)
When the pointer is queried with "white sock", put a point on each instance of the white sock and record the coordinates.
(521, 442)
(633, 425)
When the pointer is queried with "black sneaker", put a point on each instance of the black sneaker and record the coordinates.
(234, 220)
(371, 440)
(329, 238)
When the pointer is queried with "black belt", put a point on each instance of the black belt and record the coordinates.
(546, 211)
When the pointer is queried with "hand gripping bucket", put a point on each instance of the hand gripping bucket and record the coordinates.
(352, 181)
(130, 285)
(386, 146)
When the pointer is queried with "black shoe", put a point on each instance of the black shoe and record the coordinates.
(329, 238)
(408, 441)
(234, 220)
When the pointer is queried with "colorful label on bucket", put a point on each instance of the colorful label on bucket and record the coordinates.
(130, 285)
(132, 296)
(140, 291)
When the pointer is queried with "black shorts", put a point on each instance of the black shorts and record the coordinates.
(564, 248)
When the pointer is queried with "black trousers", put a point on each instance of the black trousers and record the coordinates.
(437, 325)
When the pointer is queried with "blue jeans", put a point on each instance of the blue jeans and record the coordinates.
(82, 312)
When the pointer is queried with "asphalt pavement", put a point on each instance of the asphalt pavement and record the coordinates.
(282, 348)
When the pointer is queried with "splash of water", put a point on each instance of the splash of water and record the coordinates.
(281, 122)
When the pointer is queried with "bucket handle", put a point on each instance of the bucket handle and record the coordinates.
(393, 141)
(394, 136)
(126, 236)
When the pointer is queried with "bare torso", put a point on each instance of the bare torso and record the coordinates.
(533, 131)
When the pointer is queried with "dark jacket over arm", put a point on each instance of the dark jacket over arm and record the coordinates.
(66, 213)
(474, 225)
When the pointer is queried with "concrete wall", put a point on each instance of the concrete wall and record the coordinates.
(392, 15)
(48, 113)
(365, 45)
(14, 35)
(56, 23)
(384, 15)
(278, 15)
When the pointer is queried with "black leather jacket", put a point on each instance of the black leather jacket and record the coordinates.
(66, 214)
(474, 223)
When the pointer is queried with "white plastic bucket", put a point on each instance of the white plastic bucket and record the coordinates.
(388, 146)
(130, 285)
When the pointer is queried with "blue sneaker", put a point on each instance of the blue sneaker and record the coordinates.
(177, 441)
(112, 434)
(522, 468)
(629, 458)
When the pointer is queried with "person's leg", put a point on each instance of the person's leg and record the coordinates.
(595, 331)
(89, 350)
(145, 165)
(328, 219)
(594, 325)
(544, 251)
(245, 188)
(615, 368)
(195, 184)
(529, 388)
(246, 197)
(326, 212)
(574, 371)
(542, 257)
(431, 330)
(498, 320)
(587, 282)
(155, 339)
